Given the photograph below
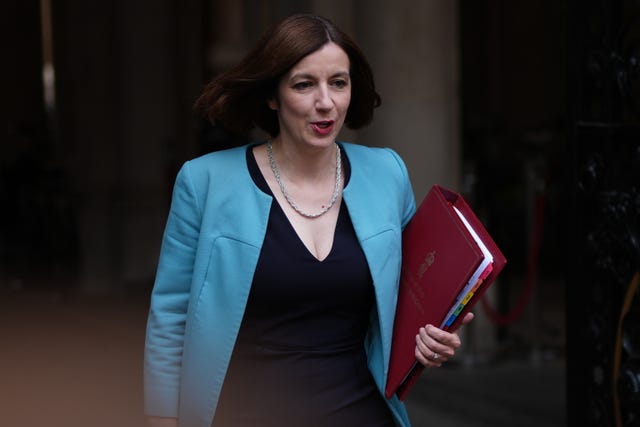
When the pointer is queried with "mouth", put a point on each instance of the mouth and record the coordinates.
(323, 127)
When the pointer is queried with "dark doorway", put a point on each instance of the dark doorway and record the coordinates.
(604, 129)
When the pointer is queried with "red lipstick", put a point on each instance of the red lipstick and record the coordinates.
(323, 127)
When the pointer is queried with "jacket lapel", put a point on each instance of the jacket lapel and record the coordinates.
(380, 240)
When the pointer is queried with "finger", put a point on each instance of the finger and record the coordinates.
(465, 320)
(426, 357)
(428, 345)
(441, 341)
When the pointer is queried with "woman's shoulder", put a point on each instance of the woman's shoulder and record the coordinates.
(371, 153)
(221, 158)
(374, 158)
(213, 168)
(381, 171)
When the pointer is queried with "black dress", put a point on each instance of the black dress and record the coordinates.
(299, 358)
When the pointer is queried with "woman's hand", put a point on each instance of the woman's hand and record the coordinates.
(435, 346)
(162, 422)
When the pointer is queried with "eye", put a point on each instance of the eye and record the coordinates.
(302, 85)
(340, 83)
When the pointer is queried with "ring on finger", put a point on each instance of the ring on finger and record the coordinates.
(435, 356)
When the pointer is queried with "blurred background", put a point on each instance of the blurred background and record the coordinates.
(530, 109)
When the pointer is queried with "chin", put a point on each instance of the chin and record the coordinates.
(323, 142)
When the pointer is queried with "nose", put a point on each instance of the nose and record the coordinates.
(323, 98)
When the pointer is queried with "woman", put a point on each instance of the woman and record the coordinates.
(276, 287)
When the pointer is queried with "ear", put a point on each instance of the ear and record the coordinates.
(272, 103)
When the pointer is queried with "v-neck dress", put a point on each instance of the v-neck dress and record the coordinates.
(299, 358)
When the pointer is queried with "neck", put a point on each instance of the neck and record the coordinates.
(309, 163)
(337, 187)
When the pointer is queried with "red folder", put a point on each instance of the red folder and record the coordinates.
(444, 273)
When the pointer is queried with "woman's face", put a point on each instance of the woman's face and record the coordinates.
(313, 97)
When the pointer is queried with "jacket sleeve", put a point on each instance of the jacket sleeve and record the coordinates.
(170, 300)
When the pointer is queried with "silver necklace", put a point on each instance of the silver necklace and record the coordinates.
(294, 205)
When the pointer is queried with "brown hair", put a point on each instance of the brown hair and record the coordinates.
(237, 98)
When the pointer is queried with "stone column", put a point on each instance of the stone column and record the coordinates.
(413, 49)
(127, 78)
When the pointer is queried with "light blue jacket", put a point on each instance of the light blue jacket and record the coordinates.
(212, 241)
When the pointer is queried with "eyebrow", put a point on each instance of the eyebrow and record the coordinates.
(312, 77)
